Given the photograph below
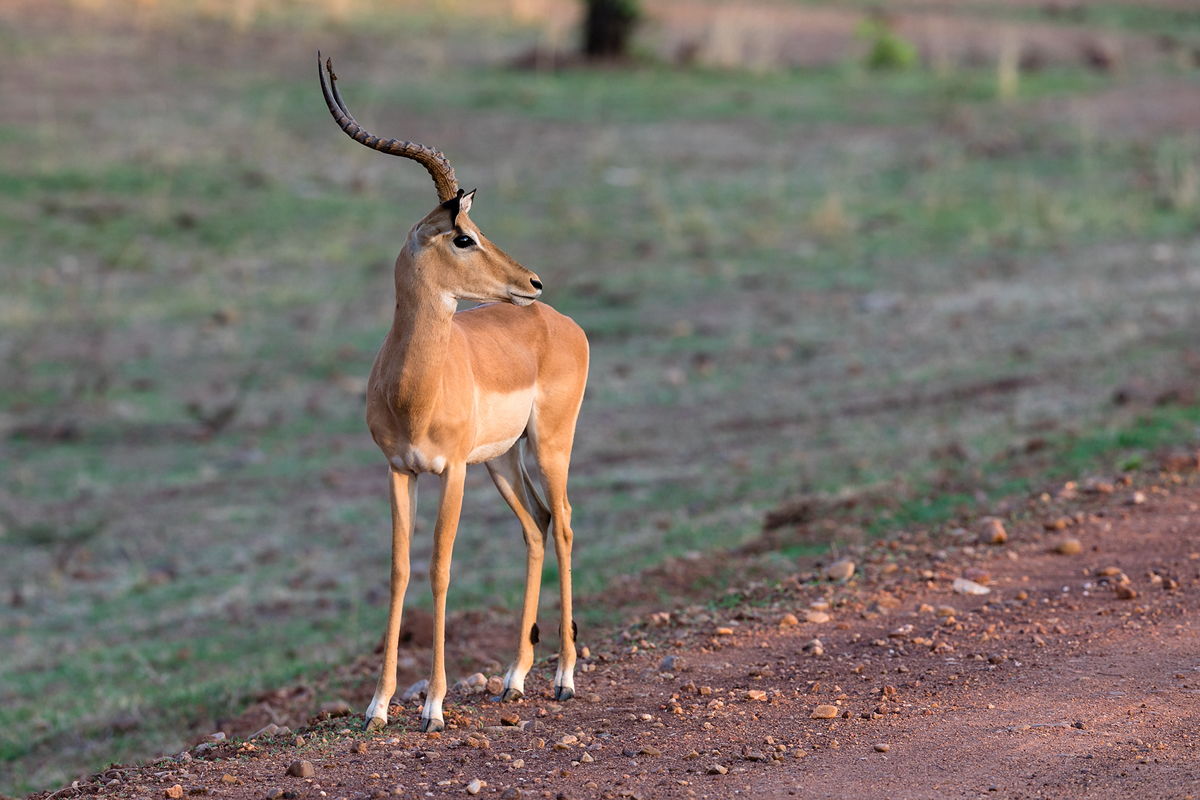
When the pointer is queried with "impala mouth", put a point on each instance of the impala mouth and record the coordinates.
(522, 299)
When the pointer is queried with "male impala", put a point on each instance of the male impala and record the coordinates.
(450, 389)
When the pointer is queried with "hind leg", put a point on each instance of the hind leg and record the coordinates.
(554, 473)
(508, 473)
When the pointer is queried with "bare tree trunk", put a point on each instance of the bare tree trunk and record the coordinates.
(608, 27)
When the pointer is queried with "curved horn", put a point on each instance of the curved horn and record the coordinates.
(433, 161)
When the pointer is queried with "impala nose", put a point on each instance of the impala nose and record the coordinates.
(536, 283)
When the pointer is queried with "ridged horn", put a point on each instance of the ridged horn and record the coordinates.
(433, 161)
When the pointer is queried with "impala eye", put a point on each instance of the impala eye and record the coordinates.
(463, 241)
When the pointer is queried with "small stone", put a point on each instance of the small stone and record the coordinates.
(512, 719)
(882, 748)
(840, 570)
(724, 631)
(495, 685)
(1022, 595)
(754, 755)
(757, 695)
(1058, 524)
(335, 708)
(475, 786)
(1081, 725)
(476, 683)
(274, 793)
(964, 586)
(649, 750)
(978, 575)
(1125, 592)
(358, 747)
(301, 769)
(418, 689)
(670, 664)
(586, 758)
(1068, 547)
(1109, 572)
(788, 621)
(991, 531)
(946, 611)
(593, 698)
(229, 780)
(717, 769)
(1136, 499)
(511, 793)
(814, 647)
(824, 712)
(174, 793)
(816, 617)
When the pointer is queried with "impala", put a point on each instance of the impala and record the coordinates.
(451, 388)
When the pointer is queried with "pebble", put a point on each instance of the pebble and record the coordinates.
(1125, 592)
(301, 769)
(717, 769)
(274, 793)
(495, 685)
(475, 786)
(754, 755)
(964, 586)
(1069, 547)
(1136, 499)
(670, 664)
(840, 570)
(816, 617)
(476, 683)
(724, 631)
(511, 793)
(174, 793)
(511, 719)
(814, 647)
(978, 575)
(229, 780)
(882, 748)
(586, 758)
(418, 689)
(757, 695)
(358, 747)
(649, 750)
(335, 708)
(594, 698)
(946, 611)
(788, 621)
(991, 531)
(825, 712)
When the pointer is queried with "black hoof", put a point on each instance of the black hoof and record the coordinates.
(432, 726)
(374, 724)
(562, 693)
(511, 695)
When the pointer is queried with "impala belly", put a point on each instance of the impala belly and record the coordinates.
(501, 419)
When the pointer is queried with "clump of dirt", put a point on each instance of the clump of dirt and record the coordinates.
(942, 665)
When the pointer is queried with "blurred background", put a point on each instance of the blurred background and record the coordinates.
(844, 266)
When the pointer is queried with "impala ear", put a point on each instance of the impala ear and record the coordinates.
(459, 204)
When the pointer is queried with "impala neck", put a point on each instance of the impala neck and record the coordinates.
(420, 333)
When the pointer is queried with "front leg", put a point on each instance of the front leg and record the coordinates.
(449, 508)
(404, 509)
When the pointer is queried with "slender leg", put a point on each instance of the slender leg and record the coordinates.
(449, 508)
(554, 471)
(509, 476)
(404, 509)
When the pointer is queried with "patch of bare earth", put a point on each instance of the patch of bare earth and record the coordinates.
(1076, 675)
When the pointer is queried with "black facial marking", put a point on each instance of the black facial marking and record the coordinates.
(452, 204)
(533, 634)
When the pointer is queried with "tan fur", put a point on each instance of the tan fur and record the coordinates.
(448, 389)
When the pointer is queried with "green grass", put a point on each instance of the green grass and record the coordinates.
(754, 258)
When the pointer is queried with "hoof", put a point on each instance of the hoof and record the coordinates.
(432, 725)
(563, 693)
(511, 695)
(374, 724)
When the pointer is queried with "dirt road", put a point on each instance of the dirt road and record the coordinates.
(1049, 685)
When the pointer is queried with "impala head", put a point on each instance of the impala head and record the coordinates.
(445, 251)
